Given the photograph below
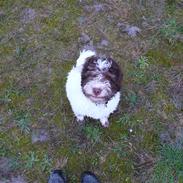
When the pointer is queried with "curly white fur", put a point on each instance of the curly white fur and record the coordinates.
(81, 105)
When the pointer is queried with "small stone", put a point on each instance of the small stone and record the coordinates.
(104, 43)
(99, 7)
(132, 30)
(162, 114)
(121, 25)
(39, 135)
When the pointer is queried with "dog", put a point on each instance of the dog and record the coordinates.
(93, 87)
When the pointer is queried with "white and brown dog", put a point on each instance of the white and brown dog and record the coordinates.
(93, 87)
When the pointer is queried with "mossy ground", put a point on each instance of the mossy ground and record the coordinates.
(39, 43)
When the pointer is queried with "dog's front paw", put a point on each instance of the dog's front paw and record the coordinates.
(105, 122)
(87, 53)
(83, 57)
(80, 118)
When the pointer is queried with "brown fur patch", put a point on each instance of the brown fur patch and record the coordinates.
(113, 74)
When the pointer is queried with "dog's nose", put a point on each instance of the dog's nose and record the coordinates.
(97, 91)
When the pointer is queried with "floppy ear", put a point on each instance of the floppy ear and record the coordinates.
(88, 70)
(116, 70)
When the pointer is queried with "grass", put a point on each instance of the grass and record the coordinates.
(171, 30)
(35, 59)
(122, 148)
(22, 119)
(131, 98)
(15, 163)
(92, 133)
(46, 163)
(169, 168)
(124, 120)
(9, 94)
(140, 72)
(31, 159)
(143, 62)
(3, 148)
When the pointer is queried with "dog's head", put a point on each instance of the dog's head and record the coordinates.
(101, 79)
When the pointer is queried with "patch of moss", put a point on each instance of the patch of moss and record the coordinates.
(151, 140)
(158, 57)
(6, 50)
(117, 170)
(166, 55)
(168, 108)
(115, 131)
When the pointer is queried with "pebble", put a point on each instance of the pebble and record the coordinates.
(39, 135)
(104, 43)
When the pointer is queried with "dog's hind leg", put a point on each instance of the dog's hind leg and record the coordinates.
(79, 118)
(105, 122)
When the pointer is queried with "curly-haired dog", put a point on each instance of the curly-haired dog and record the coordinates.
(93, 87)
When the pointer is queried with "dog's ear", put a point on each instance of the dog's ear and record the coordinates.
(92, 59)
(90, 63)
(88, 69)
(117, 74)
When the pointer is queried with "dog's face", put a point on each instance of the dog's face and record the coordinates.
(101, 79)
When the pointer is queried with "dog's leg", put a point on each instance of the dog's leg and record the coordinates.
(79, 118)
(83, 56)
(105, 122)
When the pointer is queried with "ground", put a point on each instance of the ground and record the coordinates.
(39, 43)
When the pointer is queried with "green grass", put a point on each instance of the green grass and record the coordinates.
(22, 119)
(140, 72)
(131, 98)
(30, 160)
(170, 30)
(169, 167)
(92, 133)
(15, 163)
(3, 148)
(124, 120)
(46, 163)
(143, 62)
(122, 148)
